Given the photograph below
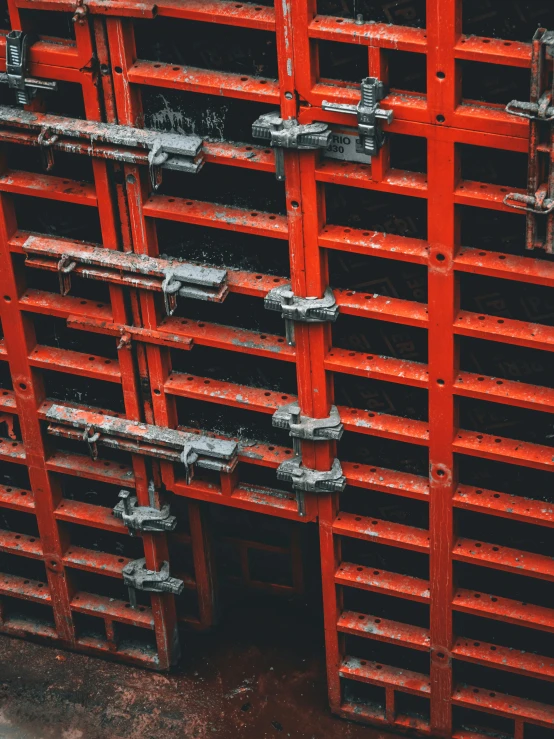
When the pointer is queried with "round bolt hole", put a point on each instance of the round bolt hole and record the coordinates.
(157, 392)
(22, 386)
(440, 257)
(7, 299)
(288, 95)
(118, 70)
(441, 75)
(441, 119)
(294, 204)
(440, 382)
(131, 179)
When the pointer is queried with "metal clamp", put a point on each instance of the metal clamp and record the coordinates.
(306, 428)
(306, 310)
(91, 437)
(289, 134)
(142, 518)
(18, 44)
(368, 112)
(539, 204)
(137, 577)
(306, 480)
(66, 265)
(193, 281)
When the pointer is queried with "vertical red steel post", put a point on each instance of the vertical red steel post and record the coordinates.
(443, 29)
(20, 340)
(315, 385)
(128, 103)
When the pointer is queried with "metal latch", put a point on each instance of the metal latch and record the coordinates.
(137, 577)
(289, 134)
(158, 149)
(306, 428)
(306, 480)
(538, 201)
(368, 113)
(171, 277)
(18, 44)
(306, 310)
(190, 449)
(193, 281)
(142, 518)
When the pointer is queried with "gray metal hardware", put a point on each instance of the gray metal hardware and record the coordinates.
(306, 480)
(306, 428)
(66, 265)
(159, 149)
(173, 278)
(368, 113)
(193, 281)
(192, 450)
(142, 518)
(137, 577)
(306, 310)
(289, 134)
(18, 44)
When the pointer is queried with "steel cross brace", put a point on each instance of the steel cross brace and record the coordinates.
(171, 277)
(190, 449)
(158, 149)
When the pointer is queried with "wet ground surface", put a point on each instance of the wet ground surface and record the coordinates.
(260, 674)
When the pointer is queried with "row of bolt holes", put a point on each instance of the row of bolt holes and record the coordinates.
(243, 79)
(262, 336)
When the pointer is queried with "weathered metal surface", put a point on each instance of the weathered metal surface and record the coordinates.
(438, 512)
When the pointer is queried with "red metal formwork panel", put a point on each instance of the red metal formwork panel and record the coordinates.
(435, 557)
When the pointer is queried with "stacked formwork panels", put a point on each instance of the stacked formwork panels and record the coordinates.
(419, 381)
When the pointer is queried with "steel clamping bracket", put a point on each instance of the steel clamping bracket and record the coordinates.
(307, 480)
(171, 277)
(18, 45)
(143, 518)
(192, 450)
(159, 149)
(137, 577)
(369, 115)
(305, 428)
(289, 134)
(305, 310)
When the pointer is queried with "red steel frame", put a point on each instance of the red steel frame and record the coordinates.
(445, 122)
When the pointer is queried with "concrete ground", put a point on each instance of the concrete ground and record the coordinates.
(260, 674)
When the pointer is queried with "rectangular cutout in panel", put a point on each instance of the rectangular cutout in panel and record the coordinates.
(397, 12)
(376, 396)
(507, 299)
(495, 166)
(224, 48)
(209, 116)
(407, 71)
(392, 455)
(506, 421)
(380, 337)
(494, 83)
(381, 557)
(376, 211)
(506, 478)
(385, 507)
(222, 248)
(377, 276)
(514, 363)
(387, 654)
(232, 186)
(515, 21)
(238, 368)
(344, 62)
(56, 218)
